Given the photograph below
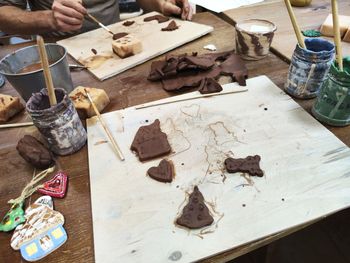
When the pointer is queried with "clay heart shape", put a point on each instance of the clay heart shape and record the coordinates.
(164, 172)
(56, 187)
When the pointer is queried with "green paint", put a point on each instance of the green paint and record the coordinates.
(311, 33)
(333, 102)
(13, 218)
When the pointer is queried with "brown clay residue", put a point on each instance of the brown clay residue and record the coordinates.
(128, 23)
(171, 27)
(100, 142)
(159, 18)
(94, 51)
(119, 35)
(79, 96)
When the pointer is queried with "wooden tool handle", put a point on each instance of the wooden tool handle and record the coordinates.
(47, 72)
(295, 24)
(110, 136)
(100, 24)
(336, 33)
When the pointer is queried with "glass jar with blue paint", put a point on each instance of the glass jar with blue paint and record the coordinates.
(333, 102)
(309, 67)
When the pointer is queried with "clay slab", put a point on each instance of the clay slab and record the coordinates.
(306, 175)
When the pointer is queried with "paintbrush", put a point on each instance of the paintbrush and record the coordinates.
(110, 136)
(100, 24)
(295, 24)
(337, 39)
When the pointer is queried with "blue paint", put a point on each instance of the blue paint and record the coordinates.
(309, 67)
(44, 244)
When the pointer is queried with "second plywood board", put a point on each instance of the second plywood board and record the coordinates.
(155, 42)
(307, 175)
(284, 41)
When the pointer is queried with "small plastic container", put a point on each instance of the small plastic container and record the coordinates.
(333, 102)
(309, 68)
(59, 124)
(254, 38)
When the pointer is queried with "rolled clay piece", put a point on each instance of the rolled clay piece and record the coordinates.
(34, 152)
(128, 23)
(119, 35)
(209, 85)
(159, 18)
(164, 172)
(171, 27)
(150, 142)
(250, 164)
(195, 214)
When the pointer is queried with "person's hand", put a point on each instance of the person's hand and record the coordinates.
(68, 14)
(177, 7)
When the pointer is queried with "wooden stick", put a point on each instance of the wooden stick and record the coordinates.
(148, 105)
(13, 125)
(47, 72)
(110, 136)
(295, 24)
(100, 24)
(336, 32)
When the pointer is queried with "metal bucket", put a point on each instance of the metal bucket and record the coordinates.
(33, 81)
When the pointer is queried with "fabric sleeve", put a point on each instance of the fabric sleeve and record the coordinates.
(17, 3)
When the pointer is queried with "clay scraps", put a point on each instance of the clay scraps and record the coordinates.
(209, 85)
(34, 152)
(119, 35)
(41, 234)
(128, 23)
(171, 27)
(159, 18)
(178, 72)
(195, 214)
(150, 142)
(164, 172)
(250, 165)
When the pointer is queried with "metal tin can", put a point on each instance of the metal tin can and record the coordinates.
(333, 102)
(59, 124)
(309, 68)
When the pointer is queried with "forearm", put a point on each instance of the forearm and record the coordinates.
(14, 20)
(150, 5)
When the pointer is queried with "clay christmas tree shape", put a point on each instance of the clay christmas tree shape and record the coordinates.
(150, 142)
(195, 214)
(164, 172)
(13, 218)
(56, 187)
(41, 234)
(250, 165)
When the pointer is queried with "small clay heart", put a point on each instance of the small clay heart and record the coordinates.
(164, 172)
(56, 187)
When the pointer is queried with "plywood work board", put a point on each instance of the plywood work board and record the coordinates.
(284, 41)
(154, 41)
(307, 175)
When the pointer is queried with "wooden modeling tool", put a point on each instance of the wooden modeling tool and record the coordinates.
(295, 24)
(336, 31)
(47, 72)
(13, 125)
(110, 136)
(100, 24)
(148, 105)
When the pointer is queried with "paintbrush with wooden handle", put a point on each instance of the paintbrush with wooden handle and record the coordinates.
(100, 24)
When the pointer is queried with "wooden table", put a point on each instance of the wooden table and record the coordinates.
(127, 89)
(284, 41)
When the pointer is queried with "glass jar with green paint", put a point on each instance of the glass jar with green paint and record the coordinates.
(333, 102)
